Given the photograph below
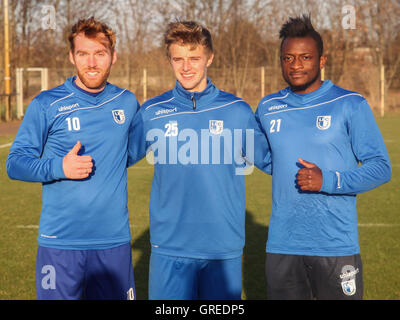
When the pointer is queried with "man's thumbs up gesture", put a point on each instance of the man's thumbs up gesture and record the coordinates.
(309, 178)
(75, 166)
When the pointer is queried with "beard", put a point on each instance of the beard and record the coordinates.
(304, 86)
(94, 84)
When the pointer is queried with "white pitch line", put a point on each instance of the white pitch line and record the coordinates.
(5, 145)
(378, 225)
(29, 226)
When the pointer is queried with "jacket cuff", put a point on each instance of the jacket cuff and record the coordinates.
(329, 181)
(57, 168)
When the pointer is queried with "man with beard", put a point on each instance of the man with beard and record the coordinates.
(326, 148)
(74, 139)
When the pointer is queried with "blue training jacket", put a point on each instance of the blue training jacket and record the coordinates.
(77, 214)
(335, 129)
(201, 143)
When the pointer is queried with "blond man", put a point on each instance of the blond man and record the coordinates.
(202, 139)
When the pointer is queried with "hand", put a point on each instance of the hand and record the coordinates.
(77, 167)
(310, 177)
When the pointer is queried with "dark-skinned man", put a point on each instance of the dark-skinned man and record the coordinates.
(326, 148)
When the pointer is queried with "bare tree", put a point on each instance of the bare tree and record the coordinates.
(245, 34)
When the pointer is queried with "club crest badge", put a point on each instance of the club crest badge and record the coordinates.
(216, 126)
(348, 277)
(349, 287)
(119, 116)
(323, 122)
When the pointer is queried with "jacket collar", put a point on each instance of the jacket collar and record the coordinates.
(302, 99)
(87, 97)
(201, 98)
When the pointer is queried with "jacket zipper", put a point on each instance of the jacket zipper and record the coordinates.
(194, 102)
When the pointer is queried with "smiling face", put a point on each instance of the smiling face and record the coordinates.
(301, 64)
(93, 60)
(190, 65)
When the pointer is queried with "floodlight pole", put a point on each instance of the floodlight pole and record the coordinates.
(7, 73)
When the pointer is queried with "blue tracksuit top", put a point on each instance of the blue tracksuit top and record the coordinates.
(201, 142)
(335, 129)
(77, 214)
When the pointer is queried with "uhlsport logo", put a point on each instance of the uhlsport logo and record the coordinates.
(323, 122)
(348, 277)
(119, 116)
(68, 108)
(279, 107)
(216, 126)
(165, 111)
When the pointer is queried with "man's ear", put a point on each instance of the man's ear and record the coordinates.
(114, 57)
(210, 59)
(322, 61)
(71, 57)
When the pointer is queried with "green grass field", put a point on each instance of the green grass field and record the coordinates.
(379, 228)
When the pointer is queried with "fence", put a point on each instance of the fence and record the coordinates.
(251, 83)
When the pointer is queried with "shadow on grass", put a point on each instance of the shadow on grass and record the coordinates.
(141, 268)
(253, 261)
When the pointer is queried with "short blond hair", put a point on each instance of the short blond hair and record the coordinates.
(187, 33)
(93, 29)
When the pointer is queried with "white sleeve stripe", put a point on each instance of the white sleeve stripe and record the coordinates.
(154, 104)
(338, 180)
(283, 97)
(71, 94)
(313, 106)
(94, 107)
